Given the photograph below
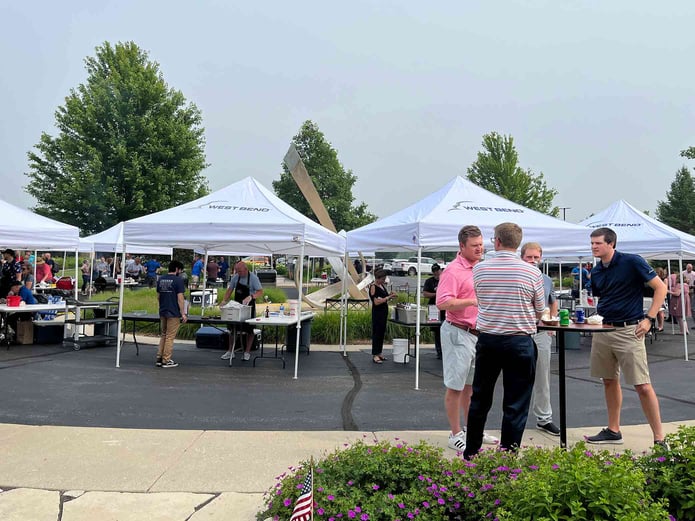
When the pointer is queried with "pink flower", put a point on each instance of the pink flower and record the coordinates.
(364, 517)
(319, 511)
(330, 497)
(351, 514)
(287, 502)
(375, 487)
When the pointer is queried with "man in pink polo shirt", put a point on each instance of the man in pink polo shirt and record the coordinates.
(456, 296)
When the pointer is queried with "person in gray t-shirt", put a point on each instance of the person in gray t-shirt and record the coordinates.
(532, 252)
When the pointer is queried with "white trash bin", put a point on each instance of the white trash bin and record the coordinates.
(400, 351)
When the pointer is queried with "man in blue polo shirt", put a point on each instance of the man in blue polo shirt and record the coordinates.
(618, 281)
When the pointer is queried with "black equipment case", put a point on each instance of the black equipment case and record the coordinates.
(212, 338)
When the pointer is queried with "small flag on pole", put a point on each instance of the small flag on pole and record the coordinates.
(304, 507)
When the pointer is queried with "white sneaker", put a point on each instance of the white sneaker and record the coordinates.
(227, 355)
(457, 441)
(489, 439)
(247, 357)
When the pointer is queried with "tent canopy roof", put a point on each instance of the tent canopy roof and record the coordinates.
(242, 217)
(638, 233)
(433, 223)
(23, 229)
(112, 240)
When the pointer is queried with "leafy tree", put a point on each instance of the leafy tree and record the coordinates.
(497, 170)
(678, 210)
(333, 183)
(127, 145)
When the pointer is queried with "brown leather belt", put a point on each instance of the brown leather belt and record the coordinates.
(473, 331)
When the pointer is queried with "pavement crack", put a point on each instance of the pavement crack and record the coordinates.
(349, 423)
(175, 462)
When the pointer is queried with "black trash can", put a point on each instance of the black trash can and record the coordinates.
(304, 337)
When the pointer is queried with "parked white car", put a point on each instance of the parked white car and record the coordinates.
(410, 266)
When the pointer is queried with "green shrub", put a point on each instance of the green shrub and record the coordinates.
(281, 269)
(384, 481)
(578, 484)
(671, 473)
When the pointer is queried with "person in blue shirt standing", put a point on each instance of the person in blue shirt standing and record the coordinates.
(224, 267)
(172, 312)
(197, 271)
(618, 281)
(151, 271)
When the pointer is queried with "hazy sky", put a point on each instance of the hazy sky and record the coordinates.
(598, 95)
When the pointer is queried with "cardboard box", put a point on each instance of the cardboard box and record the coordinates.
(25, 332)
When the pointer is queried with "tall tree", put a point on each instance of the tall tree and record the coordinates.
(333, 183)
(678, 210)
(127, 145)
(497, 170)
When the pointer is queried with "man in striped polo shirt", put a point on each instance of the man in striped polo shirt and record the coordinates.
(456, 296)
(511, 299)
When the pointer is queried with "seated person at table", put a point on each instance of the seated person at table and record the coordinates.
(247, 288)
(25, 294)
(17, 288)
(44, 275)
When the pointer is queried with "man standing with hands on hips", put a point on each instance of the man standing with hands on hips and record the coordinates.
(456, 296)
(247, 289)
(510, 302)
(618, 280)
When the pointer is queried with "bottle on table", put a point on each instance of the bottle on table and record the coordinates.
(282, 310)
(267, 311)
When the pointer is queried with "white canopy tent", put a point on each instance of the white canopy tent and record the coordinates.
(643, 235)
(433, 223)
(23, 229)
(243, 217)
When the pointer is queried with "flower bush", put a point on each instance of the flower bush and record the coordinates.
(397, 481)
(671, 473)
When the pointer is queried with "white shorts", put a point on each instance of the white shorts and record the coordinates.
(458, 356)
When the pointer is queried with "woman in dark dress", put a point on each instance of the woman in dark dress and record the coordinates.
(380, 314)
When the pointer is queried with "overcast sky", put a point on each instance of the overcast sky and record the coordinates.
(597, 95)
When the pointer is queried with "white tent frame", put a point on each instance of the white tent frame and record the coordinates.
(241, 217)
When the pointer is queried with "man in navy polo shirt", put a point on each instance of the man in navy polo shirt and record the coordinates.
(618, 280)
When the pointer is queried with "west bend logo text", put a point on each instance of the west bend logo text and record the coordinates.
(468, 205)
(227, 205)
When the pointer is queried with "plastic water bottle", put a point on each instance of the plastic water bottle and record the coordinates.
(282, 310)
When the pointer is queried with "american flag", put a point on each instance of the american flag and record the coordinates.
(304, 507)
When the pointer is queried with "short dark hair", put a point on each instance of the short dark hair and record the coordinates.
(509, 235)
(468, 231)
(175, 265)
(435, 267)
(380, 274)
(16, 282)
(608, 235)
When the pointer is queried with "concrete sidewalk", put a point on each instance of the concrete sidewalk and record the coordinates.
(79, 474)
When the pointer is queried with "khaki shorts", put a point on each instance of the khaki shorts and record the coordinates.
(458, 356)
(619, 351)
